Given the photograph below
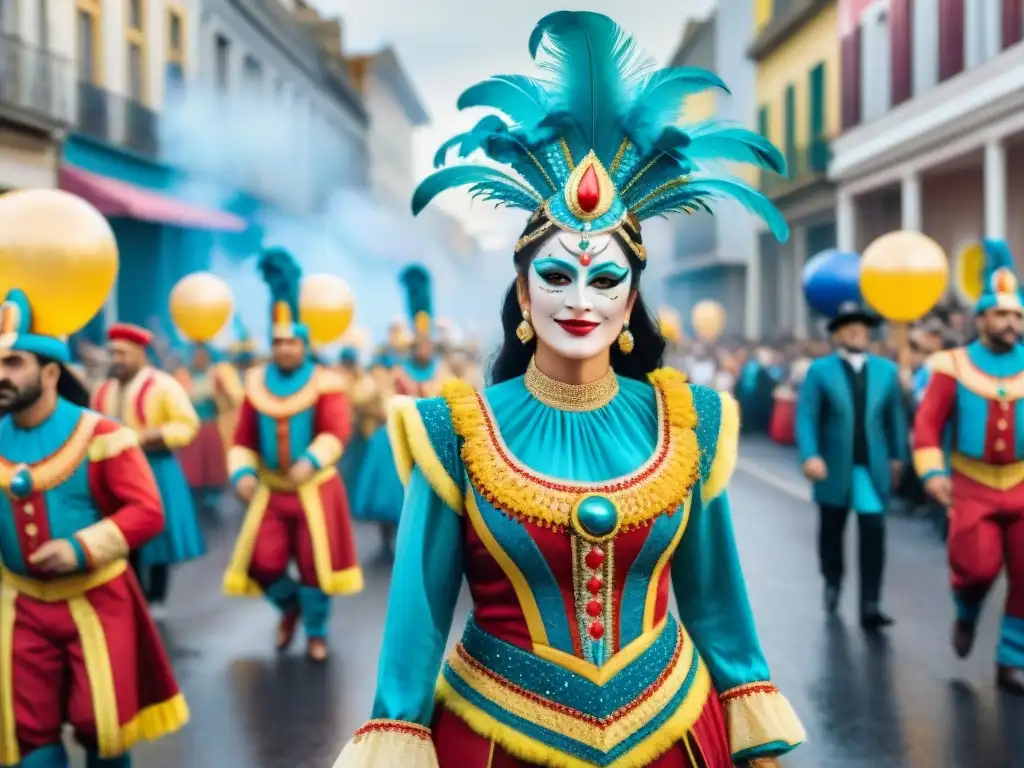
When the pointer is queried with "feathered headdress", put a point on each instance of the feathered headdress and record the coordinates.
(595, 143)
(243, 345)
(282, 274)
(416, 280)
(1000, 286)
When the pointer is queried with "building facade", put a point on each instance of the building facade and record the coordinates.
(933, 125)
(36, 93)
(714, 257)
(796, 50)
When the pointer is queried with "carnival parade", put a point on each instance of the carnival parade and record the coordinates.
(540, 455)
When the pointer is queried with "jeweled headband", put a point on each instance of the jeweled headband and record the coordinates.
(594, 146)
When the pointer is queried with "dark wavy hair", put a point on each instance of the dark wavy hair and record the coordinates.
(513, 358)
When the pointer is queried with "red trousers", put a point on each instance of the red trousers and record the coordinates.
(284, 534)
(986, 529)
(459, 747)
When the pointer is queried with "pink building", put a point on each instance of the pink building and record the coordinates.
(933, 121)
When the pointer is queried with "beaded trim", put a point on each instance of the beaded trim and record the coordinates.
(748, 689)
(659, 486)
(392, 726)
(571, 397)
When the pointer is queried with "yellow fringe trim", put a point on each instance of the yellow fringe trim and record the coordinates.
(410, 445)
(659, 486)
(111, 444)
(727, 449)
(671, 732)
(155, 722)
(760, 717)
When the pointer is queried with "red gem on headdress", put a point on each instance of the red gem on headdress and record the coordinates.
(588, 193)
(585, 259)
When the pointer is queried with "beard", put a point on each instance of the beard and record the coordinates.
(1004, 341)
(13, 400)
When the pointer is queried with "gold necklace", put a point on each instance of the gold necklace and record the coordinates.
(571, 397)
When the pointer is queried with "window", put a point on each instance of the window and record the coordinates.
(223, 62)
(252, 73)
(816, 106)
(790, 126)
(135, 15)
(175, 71)
(762, 122)
(88, 50)
(135, 34)
(875, 58)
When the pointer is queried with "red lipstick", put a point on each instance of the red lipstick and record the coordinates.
(577, 327)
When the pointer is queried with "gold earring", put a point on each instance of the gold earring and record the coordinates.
(626, 340)
(524, 332)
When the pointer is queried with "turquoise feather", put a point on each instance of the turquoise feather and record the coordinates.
(282, 275)
(997, 255)
(480, 176)
(600, 93)
(415, 278)
(598, 69)
(521, 99)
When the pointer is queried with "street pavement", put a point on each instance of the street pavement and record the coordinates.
(890, 701)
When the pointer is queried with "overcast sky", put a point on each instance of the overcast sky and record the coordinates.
(447, 45)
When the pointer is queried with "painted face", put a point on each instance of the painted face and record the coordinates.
(578, 309)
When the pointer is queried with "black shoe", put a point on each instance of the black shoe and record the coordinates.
(1010, 679)
(963, 637)
(874, 620)
(831, 600)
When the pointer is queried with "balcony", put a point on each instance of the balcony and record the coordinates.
(116, 119)
(35, 86)
(808, 167)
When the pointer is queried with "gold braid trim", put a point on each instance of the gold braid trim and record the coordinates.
(757, 714)
(659, 486)
(726, 449)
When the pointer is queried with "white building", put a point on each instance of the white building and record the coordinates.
(36, 92)
(934, 138)
(282, 121)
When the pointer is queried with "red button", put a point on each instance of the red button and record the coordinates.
(597, 630)
(594, 558)
(594, 585)
(594, 608)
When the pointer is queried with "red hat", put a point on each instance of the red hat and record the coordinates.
(130, 333)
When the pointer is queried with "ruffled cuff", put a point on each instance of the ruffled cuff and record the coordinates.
(761, 722)
(389, 742)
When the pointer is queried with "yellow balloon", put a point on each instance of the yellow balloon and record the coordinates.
(325, 307)
(670, 324)
(970, 268)
(61, 252)
(903, 275)
(708, 319)
(201, 305)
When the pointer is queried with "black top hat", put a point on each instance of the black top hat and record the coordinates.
(853, 312)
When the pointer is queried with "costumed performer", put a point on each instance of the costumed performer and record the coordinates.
(77, 644)
(292, 428)
(379, 493)
(586, 480)
(423, 367)
(361, 392)
(215, 389)
(155, 405)
(978, 390)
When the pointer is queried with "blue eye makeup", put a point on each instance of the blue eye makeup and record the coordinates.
(555, 271)
(608, 275)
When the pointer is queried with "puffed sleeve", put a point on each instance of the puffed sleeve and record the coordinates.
(424, 589)
(125, 490)
(712, 597)
(332, 422)
(179, 420)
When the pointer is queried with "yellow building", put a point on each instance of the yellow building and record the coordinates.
(796, 52)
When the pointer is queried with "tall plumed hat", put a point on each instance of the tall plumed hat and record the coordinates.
(282, 274)
(243, 346)
(594, 144)
(1000, 286)
(417, 283)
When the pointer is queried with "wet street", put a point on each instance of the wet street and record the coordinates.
(900, 700)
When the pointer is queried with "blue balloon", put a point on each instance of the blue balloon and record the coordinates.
(831, 278)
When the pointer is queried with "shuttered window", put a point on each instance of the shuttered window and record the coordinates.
(762, 122)
(790, 124)
(816, 102)
(851, 78)
(951, 38)
(901, 49)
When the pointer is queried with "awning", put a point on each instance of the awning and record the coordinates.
(119, 198)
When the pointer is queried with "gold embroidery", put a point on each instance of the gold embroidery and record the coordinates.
(322, 382)
(606, 189)
(957, 364)
(659, 486)
(59, 466)
(619, 154)
(539, 232)
(660, 190)
(567, 154)
(571, 397)
(757, 714)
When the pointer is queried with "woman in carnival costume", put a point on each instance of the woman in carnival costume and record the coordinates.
(586, 481)
(378, 492)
